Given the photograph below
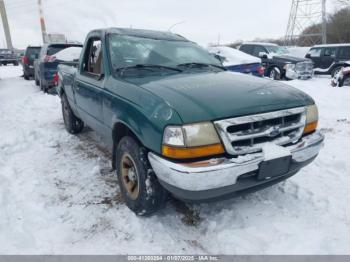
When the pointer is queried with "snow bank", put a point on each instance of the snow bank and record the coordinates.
(233, 56)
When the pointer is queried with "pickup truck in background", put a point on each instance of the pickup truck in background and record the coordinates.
(178, 122)
(8, 57)
(278, 61)
(45, 67)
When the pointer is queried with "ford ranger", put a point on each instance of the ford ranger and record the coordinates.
(179, 123)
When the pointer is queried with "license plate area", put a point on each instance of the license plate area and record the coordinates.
(275, 167)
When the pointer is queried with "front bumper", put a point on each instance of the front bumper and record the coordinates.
(218, 178)
(8, 60)
(296, 74)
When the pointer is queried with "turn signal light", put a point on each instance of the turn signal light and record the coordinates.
(192, 152)
(310, 127)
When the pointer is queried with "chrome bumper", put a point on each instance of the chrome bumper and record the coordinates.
(222, 172)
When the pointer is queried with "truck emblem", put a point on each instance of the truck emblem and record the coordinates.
(275, 131)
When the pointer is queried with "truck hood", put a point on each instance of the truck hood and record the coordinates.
(211, 95)
(290, 59)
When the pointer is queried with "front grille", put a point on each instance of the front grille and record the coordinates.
(304, 67)
(247, 134)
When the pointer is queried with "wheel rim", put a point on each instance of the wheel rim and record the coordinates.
(336, 71)
(272, 74)
(130, 177)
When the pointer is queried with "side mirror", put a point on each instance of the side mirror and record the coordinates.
(263, 55)
(308, 56)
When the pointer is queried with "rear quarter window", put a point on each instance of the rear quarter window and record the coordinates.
(33, 51)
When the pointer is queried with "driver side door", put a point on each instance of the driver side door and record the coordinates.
(89, 85)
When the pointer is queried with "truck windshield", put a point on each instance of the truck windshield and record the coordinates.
(137, 52)
(279, 50)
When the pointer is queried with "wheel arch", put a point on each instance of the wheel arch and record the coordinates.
(120, 130)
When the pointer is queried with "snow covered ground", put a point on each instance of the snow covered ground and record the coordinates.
(56, 196)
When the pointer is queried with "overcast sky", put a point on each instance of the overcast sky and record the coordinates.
(204, 20)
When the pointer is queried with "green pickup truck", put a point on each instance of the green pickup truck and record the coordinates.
(179, 124)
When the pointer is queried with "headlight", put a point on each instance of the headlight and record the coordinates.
(289, 67)
(311, 119)
(191, 141)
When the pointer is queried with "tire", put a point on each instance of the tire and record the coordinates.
(72, 123)
(345, 81)
(274, 73)
(138, 184)
(36, 80)
(42, 87)
(336, 70)
(26, 77)
(15, 64)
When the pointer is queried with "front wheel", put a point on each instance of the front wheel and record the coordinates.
(72, 123)
(138, 184)
(275, 73)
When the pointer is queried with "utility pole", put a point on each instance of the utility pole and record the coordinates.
(42, 22)
(324, 22)
(5, 24)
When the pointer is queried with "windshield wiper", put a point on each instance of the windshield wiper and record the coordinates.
(149, 67)
(193, 65)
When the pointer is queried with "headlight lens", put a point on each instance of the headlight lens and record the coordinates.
(191, 141)
(289, 67)
(173, 135)
(311, 119)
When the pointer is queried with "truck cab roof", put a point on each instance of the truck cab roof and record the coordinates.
(152, 34)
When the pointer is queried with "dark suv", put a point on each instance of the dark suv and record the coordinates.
(45, 67)
(278, 62)
(329, 59)
(8, 57)
(31, 53)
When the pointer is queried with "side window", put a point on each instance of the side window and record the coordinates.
(258, 49)
(329, 51)
(344, 52)
(93, 63)
(315, 52)
(246, 49)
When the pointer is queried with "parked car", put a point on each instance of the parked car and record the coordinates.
(31, 53)
(237, 61)
(45, 67)
(342, 78)
(278, 62)
(7, 56)
(178, 122)
(330, 59)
